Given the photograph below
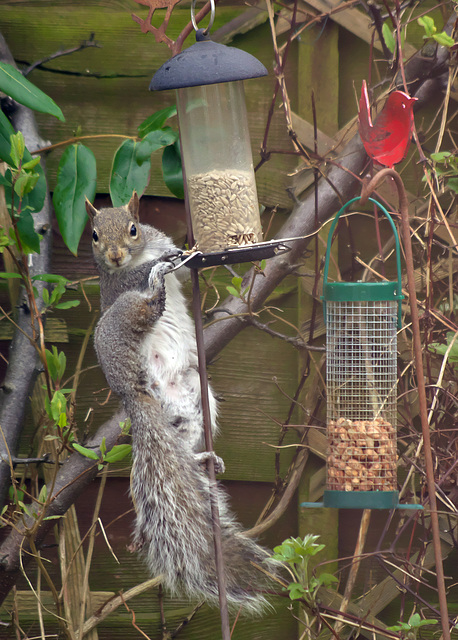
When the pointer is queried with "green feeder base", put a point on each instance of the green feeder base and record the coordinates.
(361, 500)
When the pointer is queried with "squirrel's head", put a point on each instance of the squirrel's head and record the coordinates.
(116, 233)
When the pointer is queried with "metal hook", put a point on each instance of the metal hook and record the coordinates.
(212, 16)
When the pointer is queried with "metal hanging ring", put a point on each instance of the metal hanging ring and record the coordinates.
(212, 16)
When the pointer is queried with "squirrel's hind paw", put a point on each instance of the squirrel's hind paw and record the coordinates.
(202, 458)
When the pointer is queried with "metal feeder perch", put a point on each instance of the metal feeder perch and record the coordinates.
(362, 319)
(216, 151)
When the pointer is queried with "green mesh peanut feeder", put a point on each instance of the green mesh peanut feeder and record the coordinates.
(362, 319)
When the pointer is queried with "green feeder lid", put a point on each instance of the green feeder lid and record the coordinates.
(361, 291)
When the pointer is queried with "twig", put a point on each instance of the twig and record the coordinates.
(59, 54)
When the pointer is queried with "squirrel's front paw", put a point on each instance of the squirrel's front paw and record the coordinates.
(218, 462)
(158, 272)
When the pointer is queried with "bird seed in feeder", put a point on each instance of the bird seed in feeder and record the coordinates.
(224, 209)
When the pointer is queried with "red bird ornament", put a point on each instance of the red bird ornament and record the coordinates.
(388, 139)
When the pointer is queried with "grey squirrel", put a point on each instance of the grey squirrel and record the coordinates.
(125, 252)
(169, 489)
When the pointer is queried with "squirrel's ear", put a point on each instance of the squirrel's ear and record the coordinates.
(133, 206)
(91, 210)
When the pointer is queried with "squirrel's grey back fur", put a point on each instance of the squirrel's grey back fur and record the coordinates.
(169, 349)
(169, 489)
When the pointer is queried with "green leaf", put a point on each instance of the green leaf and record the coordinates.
(68, 304)
(296, 591)
(442, 156)
(31, 164)
(9, 276)
(58, 403)
(441, 349)
(52, 365)
(153, 141)
(453, 184)
(53, 278)
(103, 446)
(6, 131)
(76, 180)
(25, 183)
(428, 24)
(30, 239)
(130, 172)
(444, 39)
(388, 36)
(87, 453)
(233, 291)
(326, 579)
(156, 120)
(34, 200)
(172, 171)
(13, 83)
(43, 494)
(17, 148)
(118, 452)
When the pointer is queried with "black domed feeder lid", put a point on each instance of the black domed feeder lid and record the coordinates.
(206, 62)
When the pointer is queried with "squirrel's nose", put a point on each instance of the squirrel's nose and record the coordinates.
(116, 256)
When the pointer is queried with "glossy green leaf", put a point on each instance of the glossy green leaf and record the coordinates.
(6, 131)
(34, 200)
(76, 180)
(8, 276)
(428, 25)
(156, 120)
(388, 36)
(153, 141)
(53, 278)
(130, 172)
(444, 39)
(30, 239)
(87, 453)
(68, 304)
(172, 171)
(118, 452)
(17, 148)
(13, 83)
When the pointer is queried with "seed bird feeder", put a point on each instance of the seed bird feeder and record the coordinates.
(362, 319)
(215, 146)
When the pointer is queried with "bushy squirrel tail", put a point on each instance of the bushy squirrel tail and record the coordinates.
(173, 528)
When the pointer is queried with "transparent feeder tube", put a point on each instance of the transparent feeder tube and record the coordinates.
(361, 378)
(215, 145)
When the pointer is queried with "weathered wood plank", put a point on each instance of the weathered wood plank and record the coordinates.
(352, 20)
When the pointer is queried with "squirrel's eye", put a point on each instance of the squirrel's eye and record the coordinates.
(133, 231)
(95, 237)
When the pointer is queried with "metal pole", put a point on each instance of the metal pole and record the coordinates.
(219, 561)
(212, 486)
